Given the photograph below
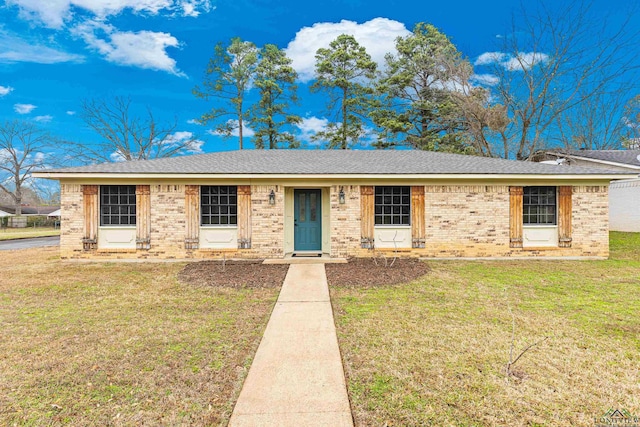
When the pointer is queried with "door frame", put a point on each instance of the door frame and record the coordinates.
(289, 217)
(314, 228)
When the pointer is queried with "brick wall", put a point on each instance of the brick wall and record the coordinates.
(345, 221)
(71, 220)
(461, 221)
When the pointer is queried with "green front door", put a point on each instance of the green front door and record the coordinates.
(307, 235)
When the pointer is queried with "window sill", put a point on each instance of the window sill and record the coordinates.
(116, 251)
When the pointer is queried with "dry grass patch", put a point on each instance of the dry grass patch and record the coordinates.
(434, 352)
(27, 232)
(121, 344)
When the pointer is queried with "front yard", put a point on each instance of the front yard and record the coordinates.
(27, 232)
(434, 352)
(121, 344)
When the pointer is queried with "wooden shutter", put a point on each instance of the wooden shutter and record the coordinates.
(143, 217)
(192, 208)
(244, 217)
(90, 206)
(417, 217)
(367, 218)
(515, 216)
(564, 216)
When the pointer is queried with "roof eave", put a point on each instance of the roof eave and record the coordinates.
(391, 177)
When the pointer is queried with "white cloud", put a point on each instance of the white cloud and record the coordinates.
(5, 90)
(377, 36)
(56, 13)
(24, 108)
(525, 61)
(485, 79)
(233, 124)
(71, 113)
(144, 49)
(522, 61)
(489, 58)
(16, 49)
(43, 119)
(194, 122)
(309, 126)
(187, 139)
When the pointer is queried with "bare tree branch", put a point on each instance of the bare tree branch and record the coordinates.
(124, 136)
(23, 149)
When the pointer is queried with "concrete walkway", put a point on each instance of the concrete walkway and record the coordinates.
(297, 378)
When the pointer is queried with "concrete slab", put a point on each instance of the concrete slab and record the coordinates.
(297, 378)
(324, 259)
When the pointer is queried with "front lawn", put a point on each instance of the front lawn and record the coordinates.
(27, 232)
(121, 344)
(434, 352)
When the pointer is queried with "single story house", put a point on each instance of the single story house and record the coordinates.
(624, 196)
(338, 203)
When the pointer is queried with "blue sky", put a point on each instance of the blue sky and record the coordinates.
(53, 54)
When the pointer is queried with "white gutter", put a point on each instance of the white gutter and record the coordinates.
(195, 176)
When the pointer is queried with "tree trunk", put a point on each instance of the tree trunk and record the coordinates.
(240, 128)
(344, 119)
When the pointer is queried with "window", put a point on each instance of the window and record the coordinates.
(117, 205)
(392, 205)
(539, 206)
(218, 205)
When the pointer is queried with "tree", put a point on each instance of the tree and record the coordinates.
(417, 91)
(22, 151)
(227, 78)
(125, 136)
(275, 80)
(551, 65)
(631, 121)
(344, 71)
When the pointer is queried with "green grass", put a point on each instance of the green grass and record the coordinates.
(27, 232)
(120, 344)
(434, 352)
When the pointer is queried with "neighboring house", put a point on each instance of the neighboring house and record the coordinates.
(28, 210)
(624, 197)
(624, 205)
(277, 203)
(620, 160)
(54, 214)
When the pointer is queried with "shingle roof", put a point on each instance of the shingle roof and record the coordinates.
(329, 162)
(627, 157)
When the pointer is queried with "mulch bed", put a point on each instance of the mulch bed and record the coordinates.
(365, 272)
(234, 274)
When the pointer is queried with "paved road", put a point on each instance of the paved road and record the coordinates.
(7, 245)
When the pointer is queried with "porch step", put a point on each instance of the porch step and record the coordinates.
(324, 259)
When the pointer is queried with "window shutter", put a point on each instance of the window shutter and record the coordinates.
(515, 217)
(90, 206)
(244, 217)
(564, 216)
(417, 217)
(192, 208)
(367, 209)
(143, 217)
